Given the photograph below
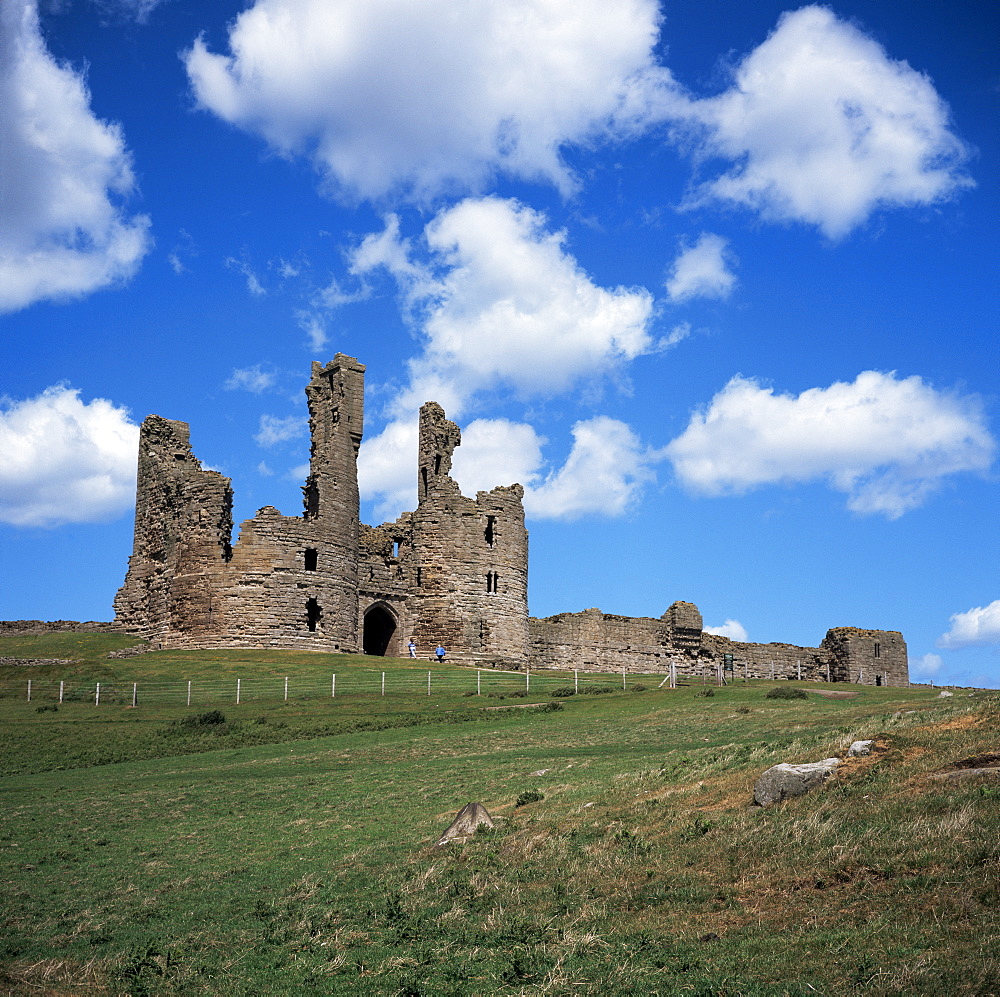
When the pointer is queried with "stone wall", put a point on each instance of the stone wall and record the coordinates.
(597, 641)
(454, 571)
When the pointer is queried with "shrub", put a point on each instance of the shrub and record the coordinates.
(785, 692)
(519, 694)
(209, 719)
(707, 691)
(562, 692)
(549, 707)
(600, 690)
(529, 796)
(639, 688)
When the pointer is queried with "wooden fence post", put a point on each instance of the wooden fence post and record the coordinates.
(135, 695)
(383, 683)
(97, 695)
(61, 690)
(333, 687)
(189, 692)
(286, 688)
(238, 681)
(428, 681)
(479, 681)
(29, 690)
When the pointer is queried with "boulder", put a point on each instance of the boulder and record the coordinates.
(859, 748)
(945, 694)
(466, 822)
(782, 781)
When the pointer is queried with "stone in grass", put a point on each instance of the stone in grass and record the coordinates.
(782, 781)
(859, 748)
(471, 817)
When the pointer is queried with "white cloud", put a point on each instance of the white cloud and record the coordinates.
(974, 627)
(732, 629)
(500, 302)
(274, 430)
(926, 666)
(65, 461)
(253, 379)
(603, 474)
(313, 325)
(254, 286)
(702, 270)
(825, 128)
(64, 175)
(420, 99)
(886, 442)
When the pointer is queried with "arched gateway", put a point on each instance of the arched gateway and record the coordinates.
(379, 631)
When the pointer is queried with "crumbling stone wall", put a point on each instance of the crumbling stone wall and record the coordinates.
(454, 571)
(596, 641)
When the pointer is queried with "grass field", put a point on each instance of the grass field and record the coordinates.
(288, 848)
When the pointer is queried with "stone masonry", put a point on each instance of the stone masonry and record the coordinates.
(454, 571)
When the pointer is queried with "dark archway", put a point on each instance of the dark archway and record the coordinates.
(379, 628)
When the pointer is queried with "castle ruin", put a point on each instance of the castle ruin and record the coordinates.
(454, 571)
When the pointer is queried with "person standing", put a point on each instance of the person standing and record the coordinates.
(413, 648)
(440, 654)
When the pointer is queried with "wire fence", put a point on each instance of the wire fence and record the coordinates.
(485, 683)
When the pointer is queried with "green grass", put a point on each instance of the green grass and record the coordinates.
(290, 849)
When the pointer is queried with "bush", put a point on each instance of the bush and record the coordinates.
(562, 692)
(519, 694)
(707, 691)
(549, 707)
(785, 692)
(529, 796)
(639, 688)
(209, 719)
(600, 690)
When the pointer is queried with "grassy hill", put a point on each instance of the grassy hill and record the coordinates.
(287, 847)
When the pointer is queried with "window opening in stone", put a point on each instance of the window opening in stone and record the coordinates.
(423, 479)
(313, 615)
(378, 632)
(437, 463)
(489, 581)
(335, 415)
(496, 582)
(878, 679)
(311, 559)
(395, 548)
(878, 651)
(419, 577)
(489, 534)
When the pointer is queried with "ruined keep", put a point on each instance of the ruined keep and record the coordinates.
(453, 571)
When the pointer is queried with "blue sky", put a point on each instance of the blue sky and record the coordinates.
(716, 281)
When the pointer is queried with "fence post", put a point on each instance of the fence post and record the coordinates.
(623, 678)
(798, 666)
(527, 679)
(383, 683)
(135, 695)
(428, 681)
(189, 692)
(576, 680)
(97, 695)
(29, 690)
(479, 681)
(238, 681)
(333, 687)
(828, 670)
(286, 688)
(61, 690)
(772, 670)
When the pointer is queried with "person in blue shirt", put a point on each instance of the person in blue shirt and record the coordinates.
(413, 648)
(440, 653)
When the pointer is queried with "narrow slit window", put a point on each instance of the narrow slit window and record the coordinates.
(490, 532)
(878, 651)
(437, 463)
(311, 559)
(419, 577)
(395, 548)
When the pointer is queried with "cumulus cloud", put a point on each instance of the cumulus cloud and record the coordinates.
(388, 96)
(702, 270)
(825, 128)
(926, 666)
(974, 627)
(65, 460)
(499, 301)
(888, 443)
(603, 474)
(274, 429)
(732, 629)
(64, 177)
